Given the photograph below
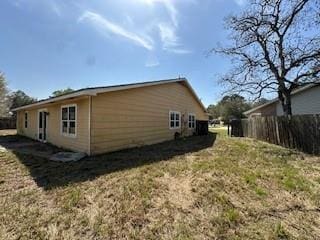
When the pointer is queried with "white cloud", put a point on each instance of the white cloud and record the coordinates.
(168, 31)
(241, 2)
(171, 9)
(170, 40)
(168, 35)
(179, 51)
(106, 27)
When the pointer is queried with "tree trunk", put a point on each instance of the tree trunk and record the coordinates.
(285, 99)
(281, 98)
(287, 103)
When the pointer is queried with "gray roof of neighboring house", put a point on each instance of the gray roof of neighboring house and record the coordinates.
(92, 91)
(299, 90)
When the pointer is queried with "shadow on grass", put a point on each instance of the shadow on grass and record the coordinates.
(48, 174)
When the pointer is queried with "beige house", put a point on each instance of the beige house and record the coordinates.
(104, 119)
(305, 100)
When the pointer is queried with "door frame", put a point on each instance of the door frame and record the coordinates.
(44, 110)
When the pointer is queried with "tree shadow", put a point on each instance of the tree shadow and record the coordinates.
(49, 174)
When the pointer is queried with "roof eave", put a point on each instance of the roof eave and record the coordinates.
(302, 89)
(57, 99)
(195, 95)
(259, 107)
(94, 92)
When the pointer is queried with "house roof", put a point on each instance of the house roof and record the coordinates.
(299, 90)
(93, 91)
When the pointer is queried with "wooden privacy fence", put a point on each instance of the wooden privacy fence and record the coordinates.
(300, 132)
(7, 123)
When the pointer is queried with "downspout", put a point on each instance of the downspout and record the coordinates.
(89, 126)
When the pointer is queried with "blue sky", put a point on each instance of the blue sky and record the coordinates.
(52, 44)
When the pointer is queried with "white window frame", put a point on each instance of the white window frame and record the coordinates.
(73, 135)
(26, 120)
(175, 127)
(194, 122)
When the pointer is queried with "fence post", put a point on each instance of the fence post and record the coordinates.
(277, 130)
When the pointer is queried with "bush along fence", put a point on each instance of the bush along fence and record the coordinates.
(300, 132)
(7, 123)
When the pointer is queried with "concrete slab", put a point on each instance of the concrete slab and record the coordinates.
(3, 149)
(18, 144)
(67, 156)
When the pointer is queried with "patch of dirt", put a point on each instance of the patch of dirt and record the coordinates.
(178, 190)
(6, 132)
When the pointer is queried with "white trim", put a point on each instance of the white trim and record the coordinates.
(194, 115)
(174, 112)
(77, 94)
(95, 91)
(70, 135)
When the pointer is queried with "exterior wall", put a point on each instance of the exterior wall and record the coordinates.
(137, 117)
(306, 102)
(270, 110)
(32, 130)
(78, 143)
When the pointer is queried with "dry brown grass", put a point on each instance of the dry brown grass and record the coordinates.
(235, 189)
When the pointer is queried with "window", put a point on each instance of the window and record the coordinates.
(68, 120)
(26, 120)
(174, 120)
(192, 121)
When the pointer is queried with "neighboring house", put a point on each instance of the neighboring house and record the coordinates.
(305, 100)
(104, 119)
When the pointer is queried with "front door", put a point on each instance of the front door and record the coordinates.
(42, 126)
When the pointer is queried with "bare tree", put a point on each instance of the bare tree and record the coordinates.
(275, 46)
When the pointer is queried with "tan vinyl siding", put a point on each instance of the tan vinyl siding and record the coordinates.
(31, 131)
(306, 102)
(54, 136)
(136, 117)
(119, 119)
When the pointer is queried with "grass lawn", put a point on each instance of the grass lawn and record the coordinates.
(195, 188)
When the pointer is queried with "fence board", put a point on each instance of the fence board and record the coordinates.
(300, 132)
(7, 123)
